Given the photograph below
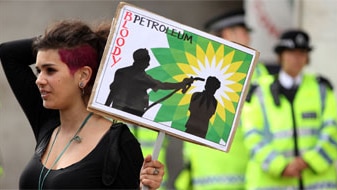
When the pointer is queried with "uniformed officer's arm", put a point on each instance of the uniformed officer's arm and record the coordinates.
(324, 154)
(258, 142)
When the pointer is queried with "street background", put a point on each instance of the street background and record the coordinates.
(268, 18)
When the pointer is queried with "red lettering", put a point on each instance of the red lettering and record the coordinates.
(116, 52)
(124, 25)
(120, 41)
(124, 33)
(115, 60)
(128, 16)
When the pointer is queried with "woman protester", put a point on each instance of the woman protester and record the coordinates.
(74, 147)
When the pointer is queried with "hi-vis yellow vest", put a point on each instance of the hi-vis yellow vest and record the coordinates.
(268, 123)
(259, 71)
(210, 169)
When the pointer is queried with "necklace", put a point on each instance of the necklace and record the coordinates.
(75, 138)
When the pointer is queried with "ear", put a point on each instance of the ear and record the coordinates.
(84, 74)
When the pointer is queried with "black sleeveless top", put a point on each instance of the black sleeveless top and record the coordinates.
(88, 173)
(114, 163)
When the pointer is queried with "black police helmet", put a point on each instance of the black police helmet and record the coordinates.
(293, 39)
(228, 19)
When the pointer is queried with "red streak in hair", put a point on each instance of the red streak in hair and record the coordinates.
(79, 57)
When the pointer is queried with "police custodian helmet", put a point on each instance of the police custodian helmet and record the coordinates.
(226, 20)
(293, 39)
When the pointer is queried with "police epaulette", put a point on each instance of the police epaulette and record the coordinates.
(251, 92)
(324, 81)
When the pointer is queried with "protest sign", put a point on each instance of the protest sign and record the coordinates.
(169, 77)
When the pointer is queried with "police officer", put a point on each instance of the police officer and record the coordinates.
(290, 124)
(213, 169)
(231, 26)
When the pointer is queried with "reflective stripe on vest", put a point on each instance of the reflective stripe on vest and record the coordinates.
(206, 180)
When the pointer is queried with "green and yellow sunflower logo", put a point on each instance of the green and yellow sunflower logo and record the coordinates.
(201, 58)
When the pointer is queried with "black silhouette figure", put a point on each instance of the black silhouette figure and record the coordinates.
(128, 91)
(202, 107)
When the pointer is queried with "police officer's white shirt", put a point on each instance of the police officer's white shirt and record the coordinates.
(287, 81)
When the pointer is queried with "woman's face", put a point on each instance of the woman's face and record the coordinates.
(57, 85)
(293, 61)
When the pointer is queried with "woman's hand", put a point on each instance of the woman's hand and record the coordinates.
(151, 174)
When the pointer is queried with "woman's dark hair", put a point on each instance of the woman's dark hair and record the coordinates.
(77, 43)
